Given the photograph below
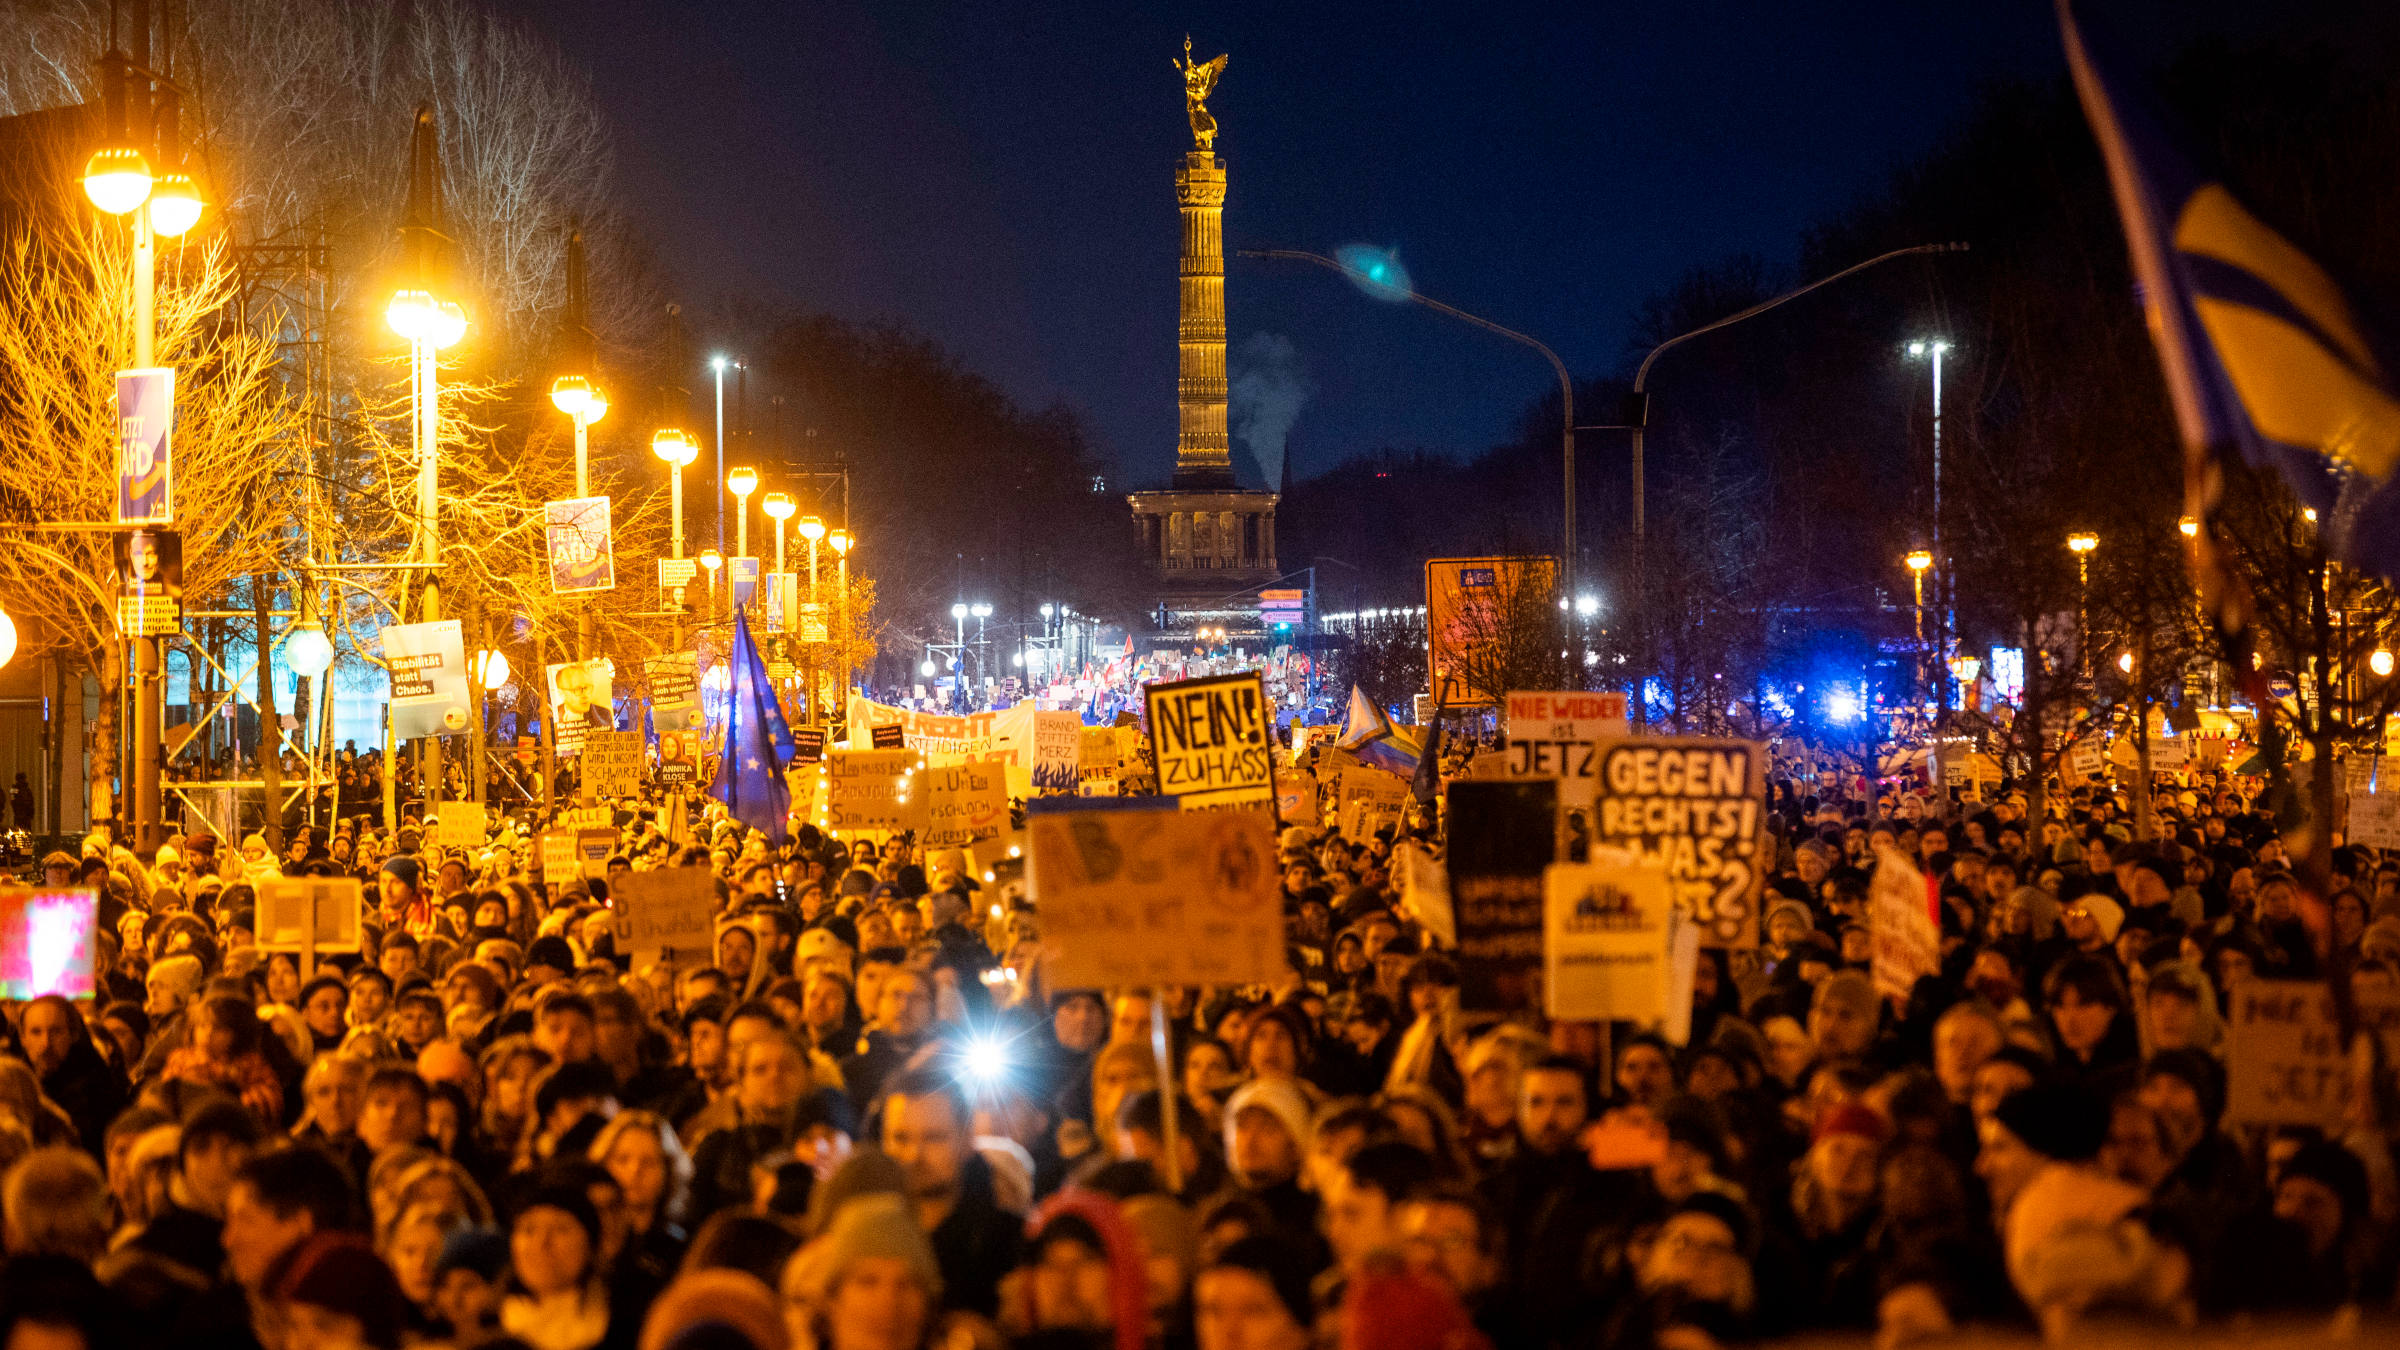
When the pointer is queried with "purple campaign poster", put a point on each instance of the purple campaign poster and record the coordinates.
(145, 421)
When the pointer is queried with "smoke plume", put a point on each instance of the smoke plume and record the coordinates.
(1265, 393)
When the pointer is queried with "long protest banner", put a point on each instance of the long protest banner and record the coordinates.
(940, 738)
(1213, 741)
(1695, 806)
(1502, 837)
(1157, 897)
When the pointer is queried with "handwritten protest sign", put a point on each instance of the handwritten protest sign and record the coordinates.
(1907, 943)
(458, 825)
(2086, 759)
(1605, 930)
(1158, 897)
(965, 804)
(2374, 802)
(1558, 735)
(1057, 751)
(1096, 756)
(671, 909)
(1694, 806)
(1425, 892)
(300, 912)
(1212, 740)
(1502, 837)
(1370, 800)
(2284, 1058)
(558, 856)
(872, 790)
(613, 763)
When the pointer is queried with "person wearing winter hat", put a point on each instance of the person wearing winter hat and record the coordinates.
(335, 1293)
(2322, 1193)
(469, 1278)
(554, 1259)
(404, 904)
(1267, 1139)
(732, 1303)
(869, 1282)
(1253, 1295)
(2091, 921)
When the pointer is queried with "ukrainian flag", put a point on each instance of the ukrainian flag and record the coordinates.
(2262, 352)
(1376, 739)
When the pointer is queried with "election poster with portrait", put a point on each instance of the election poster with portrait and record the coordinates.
(428, 665)
(149, 583)
(674, 692)
(582, 556)
(582, 700)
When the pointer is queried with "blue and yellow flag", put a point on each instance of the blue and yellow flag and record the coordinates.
(2263, 354)
(1371, 734)
(758, 743)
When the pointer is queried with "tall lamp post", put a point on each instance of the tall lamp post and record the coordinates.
(678, 451)
(117, 179)
(2081, 543)
(1933, 350)
(842, 541)
(717, 365)
(741, 482)
(1918, 561)
(583, 404)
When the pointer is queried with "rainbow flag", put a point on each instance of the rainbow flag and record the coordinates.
(1371, 734)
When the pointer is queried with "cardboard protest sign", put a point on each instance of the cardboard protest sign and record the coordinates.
(582, 555)
(614, 763)
(1370, 800)
(1296, 800)
(1558, 734)
(1695, 806)
(1057, 752)
(941, 739)
(1096, 762)
(965, 804)
(1605, 929)
(46, 941)
(1212, 740)
(2284, 1059)
(671, 909)
(559, 859)
(2170, 753)
(1907, 941)
(872, 790)
(1158, 897)
(592, 848)
(1424, 886)
(2086, 759)
(428, 665)
(458, 825)
(2374, 802)
(302, 912)
(1501, 841)
(674, 692)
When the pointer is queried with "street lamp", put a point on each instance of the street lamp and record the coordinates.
(2081, 543)
(717, 364)
(712, 560)
(1933, 350)
(2189, 527)
(742, 481)
(779, 508)
(2379, 661)
(842, 542)
(677, 450)
(578, 399)
(8, 639)
(1918, 561)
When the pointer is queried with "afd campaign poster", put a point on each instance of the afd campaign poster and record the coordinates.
(674, 691)
(428, 664)
(145, 437)
(582, 557)
(1213, 741)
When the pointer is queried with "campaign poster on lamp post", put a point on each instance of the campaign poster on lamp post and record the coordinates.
(145, 438)
(428, 663)
(582, 557)
(674, 692)
(582, 700)
(149, 583)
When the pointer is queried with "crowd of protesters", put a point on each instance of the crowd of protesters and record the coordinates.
(866, 1121)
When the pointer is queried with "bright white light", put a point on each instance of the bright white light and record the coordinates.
(2380, 662)
(446, 326)
(1587, 605)
(925, 667)
(117, 179)
(958, 611)
(1048, 610)
(307, 651)
(2125, 663)
(1842, 706)
(410, 314)
(986, 1059)
(174, 205)
(8, 639)
(571, 394)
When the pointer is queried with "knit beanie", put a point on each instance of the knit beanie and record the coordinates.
(877, 1225)
(732, 1300)
(342, 1273)
(1272, 1260)
(481, 1250)
(573, 1202)
(2107, 913)
(1276, 1097)
(1401, 1310)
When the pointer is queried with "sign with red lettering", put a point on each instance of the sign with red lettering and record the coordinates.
(1694, 806)
(1558, 735)
(1213, 741)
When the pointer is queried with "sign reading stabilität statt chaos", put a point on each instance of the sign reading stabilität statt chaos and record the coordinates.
(1213, 741)
(1694, 806)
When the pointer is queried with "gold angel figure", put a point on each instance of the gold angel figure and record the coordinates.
(1199, 80)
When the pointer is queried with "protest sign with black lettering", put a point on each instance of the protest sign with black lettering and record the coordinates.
(1212, 741)
(458, 824)
(1371, 799)
(1696, 807)
(1558, 735)
(1096, 757)
(2086, 759)
(872, 790)
(1502, 837)
(1605, 929)
(2284, 1059)
(966, 803)
(670, 909)
(2374, 784)
(593, 845)
(613, 763)
(1906, 942)
(1158, 897)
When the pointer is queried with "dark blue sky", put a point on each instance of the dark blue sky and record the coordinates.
(999, 176)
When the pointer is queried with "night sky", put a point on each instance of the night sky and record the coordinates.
(1000, 176)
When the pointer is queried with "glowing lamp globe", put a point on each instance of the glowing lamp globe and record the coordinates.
(674, 447)
(712, 560)
(812, 529)
(448, 325)
(411, 314)
(174, 205)
(779, 506)
(2380, 662)
(8, 639)
(491, 668)
(307, 651)
(117, 179)
(742, 481)
(571, 394)
(842, 541)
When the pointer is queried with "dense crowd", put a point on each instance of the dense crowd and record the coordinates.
(867, 1121)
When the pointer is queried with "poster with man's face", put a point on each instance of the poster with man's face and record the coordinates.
(581, 695)
(149, 582)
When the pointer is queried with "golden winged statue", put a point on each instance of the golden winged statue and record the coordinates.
(1199, 79)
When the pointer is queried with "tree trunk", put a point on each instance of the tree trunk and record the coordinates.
(106, 757)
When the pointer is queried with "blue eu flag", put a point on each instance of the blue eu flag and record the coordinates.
(757, 743)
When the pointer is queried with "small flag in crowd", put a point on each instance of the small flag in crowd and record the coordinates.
(2263, 354)
(758, 743)
(1370, 733)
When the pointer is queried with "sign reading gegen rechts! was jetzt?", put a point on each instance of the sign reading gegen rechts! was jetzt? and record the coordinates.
(1213, 741)
(1695, 806)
